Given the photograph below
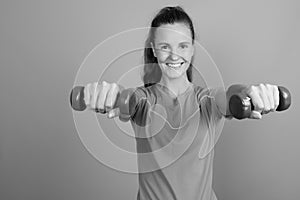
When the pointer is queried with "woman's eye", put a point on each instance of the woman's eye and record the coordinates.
(164, 47)
(184, 46)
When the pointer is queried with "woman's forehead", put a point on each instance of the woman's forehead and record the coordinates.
(173, 32)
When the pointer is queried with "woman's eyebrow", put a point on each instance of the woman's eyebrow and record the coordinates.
(185, 42)
(162, 43)
(165, 43)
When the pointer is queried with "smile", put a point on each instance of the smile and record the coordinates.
(175, 65)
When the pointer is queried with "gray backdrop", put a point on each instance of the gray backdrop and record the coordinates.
(43, 43)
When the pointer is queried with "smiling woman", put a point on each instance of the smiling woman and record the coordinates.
(168, 75)
(169, 22)
(173, 48)
(175, 160)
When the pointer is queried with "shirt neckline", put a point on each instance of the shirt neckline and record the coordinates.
(168, 92)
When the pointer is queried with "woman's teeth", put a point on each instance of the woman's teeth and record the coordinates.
(174, 65)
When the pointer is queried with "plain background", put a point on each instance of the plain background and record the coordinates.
(43, 43)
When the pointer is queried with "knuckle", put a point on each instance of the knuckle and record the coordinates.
(261, 85)
(250, 89)
(253, 88)
(105, 84)
(114, 85)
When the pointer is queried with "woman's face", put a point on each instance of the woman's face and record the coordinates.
(174, 49)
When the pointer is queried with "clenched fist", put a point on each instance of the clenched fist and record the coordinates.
(264, 97)
(101, 97)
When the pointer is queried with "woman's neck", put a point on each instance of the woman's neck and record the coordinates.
(176, 86)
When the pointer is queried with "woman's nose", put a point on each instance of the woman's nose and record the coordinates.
(174, 55)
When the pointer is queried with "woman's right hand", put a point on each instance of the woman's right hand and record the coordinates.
(101, 97)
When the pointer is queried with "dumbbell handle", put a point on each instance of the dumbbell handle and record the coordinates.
(240, 106)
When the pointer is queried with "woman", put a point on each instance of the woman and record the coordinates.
(177, 172)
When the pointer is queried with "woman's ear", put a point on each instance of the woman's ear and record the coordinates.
(152, 46)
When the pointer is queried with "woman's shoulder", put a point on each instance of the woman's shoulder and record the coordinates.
(200, 90)
(145, 92)
(203, 91)
(204, 94)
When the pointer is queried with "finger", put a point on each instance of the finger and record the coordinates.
(87, 94)
(104, 87)
(111, 96)
(256, 99)
(255, 115)
(94, 94)
(270, 95)
(276, 97)
(264, 96)
(113, 113)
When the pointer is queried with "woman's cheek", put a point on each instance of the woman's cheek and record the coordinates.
(187, 58)
(187, 55)
(162, 58)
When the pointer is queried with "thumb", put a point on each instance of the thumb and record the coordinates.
(255, 115)
(113, 113)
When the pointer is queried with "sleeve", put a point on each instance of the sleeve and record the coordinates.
(207, 101)
(137, 109)
(211, 119)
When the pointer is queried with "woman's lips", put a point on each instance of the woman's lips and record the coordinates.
(175, 65)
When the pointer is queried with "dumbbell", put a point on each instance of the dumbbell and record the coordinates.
(122, 101)
(241, 106)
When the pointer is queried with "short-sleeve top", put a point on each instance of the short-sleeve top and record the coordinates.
(175, 137)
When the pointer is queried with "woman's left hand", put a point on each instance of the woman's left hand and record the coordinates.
(264, 97)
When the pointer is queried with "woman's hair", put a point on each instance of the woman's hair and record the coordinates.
(167, 15)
